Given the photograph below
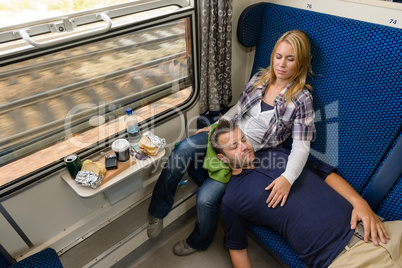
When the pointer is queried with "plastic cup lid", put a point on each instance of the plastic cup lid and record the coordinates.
(120, 145)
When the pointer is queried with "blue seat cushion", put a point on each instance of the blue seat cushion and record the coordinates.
(46, 258)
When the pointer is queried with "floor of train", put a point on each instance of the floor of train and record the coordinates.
(158, 252)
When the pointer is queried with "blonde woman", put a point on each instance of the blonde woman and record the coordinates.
(274, 105)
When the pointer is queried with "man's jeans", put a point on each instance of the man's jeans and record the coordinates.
(189, 156)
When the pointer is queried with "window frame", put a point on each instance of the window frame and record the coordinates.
(41, 27)
(22, 183)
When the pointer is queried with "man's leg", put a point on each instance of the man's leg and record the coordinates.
(187, 154)
(367, 255)
(208, 198)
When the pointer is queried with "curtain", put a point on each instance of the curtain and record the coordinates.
(216, 55)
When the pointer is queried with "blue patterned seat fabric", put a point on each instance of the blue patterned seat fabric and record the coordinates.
(357, 97)
(46, 258)
(384, 190)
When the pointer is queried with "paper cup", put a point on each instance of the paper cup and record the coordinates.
(122, 149)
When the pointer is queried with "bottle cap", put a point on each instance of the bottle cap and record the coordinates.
(129, 111)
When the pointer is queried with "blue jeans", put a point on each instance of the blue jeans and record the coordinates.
(209, 197)
(189, 156)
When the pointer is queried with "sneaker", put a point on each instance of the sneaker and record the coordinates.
(155, 227)
(183, 249)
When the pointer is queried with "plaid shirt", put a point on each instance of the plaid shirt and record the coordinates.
(295, 117)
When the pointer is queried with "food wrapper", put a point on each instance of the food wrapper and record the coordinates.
(160, 143)
(88, 178)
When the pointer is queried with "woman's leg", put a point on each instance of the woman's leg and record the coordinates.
(187, 156)
(209, 197)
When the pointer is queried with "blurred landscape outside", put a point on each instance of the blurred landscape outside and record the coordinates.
(22, 11)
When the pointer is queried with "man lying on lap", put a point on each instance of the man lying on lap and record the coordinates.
(316, 219)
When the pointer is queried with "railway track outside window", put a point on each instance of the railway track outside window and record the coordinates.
(70, 98)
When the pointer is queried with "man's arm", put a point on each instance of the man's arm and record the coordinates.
(240, 258)
(235, 236)
(361, 210)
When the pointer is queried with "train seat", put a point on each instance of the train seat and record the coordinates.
(43, 259)
(357, 97)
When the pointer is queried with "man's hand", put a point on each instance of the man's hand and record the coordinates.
(361, 210)
(371, 223)
(280, 191)
(204, 129)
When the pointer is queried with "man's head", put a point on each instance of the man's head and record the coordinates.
(232, 146)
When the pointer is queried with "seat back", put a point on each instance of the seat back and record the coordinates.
(357, 98)
(357, 87)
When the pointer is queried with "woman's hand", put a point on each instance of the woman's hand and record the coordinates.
(205, 129)
(280, 191)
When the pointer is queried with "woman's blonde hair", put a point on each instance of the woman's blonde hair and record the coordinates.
(301, 45)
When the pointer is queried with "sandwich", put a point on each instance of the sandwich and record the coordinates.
(147, 146)
(91, 174)
(94, 167)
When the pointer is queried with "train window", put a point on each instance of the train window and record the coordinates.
(70, 97)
